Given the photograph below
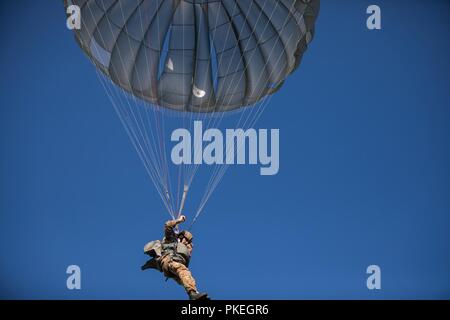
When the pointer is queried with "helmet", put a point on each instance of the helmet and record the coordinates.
(187, 235)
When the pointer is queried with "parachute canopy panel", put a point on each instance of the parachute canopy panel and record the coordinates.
(197, 55)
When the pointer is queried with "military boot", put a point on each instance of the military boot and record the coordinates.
(195, 295)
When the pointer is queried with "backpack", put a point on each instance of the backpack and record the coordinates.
(154, 250)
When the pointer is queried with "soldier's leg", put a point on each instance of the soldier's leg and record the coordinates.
(184, 276)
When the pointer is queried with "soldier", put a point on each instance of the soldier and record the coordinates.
(172, 255)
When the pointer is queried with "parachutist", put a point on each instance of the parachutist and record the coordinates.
(187, 57)
(172, 256)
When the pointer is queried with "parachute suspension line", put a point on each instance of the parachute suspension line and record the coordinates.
(178, 188)
(187, 175)
(147, 163)
(159, 126)
(218, 119)
(125, 118)
(135, 134)
(162, 134)
(114, 97)
(156, 113)
(175, 201)
(219, 172)
(143, 128)
(150, 125)
(181, 172)
(160, 129)
(135, 115)
(162, 151)
(210, 115)
(165, 181)
(218, 175)
(214, 120)
(191, 116)
(145, 110)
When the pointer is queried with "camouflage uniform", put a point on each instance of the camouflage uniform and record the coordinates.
(176, 270)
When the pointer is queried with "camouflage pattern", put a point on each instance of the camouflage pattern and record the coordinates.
(179, 272)
(175, 269)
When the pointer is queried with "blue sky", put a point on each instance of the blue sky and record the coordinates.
(364, 170)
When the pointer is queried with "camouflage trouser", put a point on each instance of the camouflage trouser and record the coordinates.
(180, 273)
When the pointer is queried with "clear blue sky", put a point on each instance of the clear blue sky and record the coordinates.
(364, 176)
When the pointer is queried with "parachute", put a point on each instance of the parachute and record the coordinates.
(167, 63)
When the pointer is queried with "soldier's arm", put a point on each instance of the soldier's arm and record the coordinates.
(170, 225)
